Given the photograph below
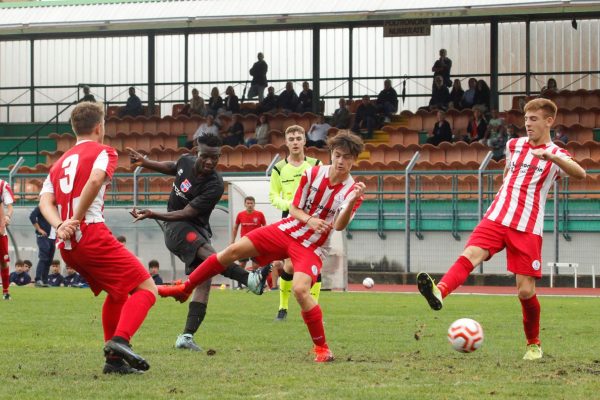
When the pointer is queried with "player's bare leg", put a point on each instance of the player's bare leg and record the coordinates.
(312, 315)
(530, 307)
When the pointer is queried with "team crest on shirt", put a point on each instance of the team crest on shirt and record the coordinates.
(536, 265)
(185, 186)
(255, 220)
(314, 270)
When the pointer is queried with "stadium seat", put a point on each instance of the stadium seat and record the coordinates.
(112, 111)
(276, 138)
(406, 153)
(123, 124)
(414, 121)
(249, 121)
(177, 109)
(429, 119)
(376, 151)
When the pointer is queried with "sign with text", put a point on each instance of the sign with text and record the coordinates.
(407, 27)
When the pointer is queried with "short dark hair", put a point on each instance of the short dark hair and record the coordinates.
(153, 263)
(249, 198)
(28, 263)
(56, 262)
(19, 262)
(348, 141)
(210, 140)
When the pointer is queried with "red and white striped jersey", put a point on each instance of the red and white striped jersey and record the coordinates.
(316, 197)
(6, 195)
(520, 202)
(71, 172)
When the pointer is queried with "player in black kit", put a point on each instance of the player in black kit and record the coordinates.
(196, 191)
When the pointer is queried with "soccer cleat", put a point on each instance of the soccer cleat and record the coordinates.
(123, 349)
(119, 367)
(534, 352)
(281, 315)
(186, 341)
(323, 354)
(257, 280)
(6, 296)
(41, 284)
(178, 292)
(430, 291)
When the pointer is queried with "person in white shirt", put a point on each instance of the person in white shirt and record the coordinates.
(317, 134)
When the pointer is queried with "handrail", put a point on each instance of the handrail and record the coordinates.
(36, 132)
(14, 170)
(407, 171)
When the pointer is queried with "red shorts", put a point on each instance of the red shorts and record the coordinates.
(523, 249)
(274, 244)
(4, 249)
(104, 262)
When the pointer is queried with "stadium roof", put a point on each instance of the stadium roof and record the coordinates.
(113, 15)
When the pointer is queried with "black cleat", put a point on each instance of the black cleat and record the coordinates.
(123, 349)
(6, 296)
(119, 367)
(430, 291)
(281, 315)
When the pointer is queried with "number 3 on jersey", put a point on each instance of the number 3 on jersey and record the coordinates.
(69, 165)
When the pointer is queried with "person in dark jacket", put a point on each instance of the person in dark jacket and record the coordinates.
(288, 99)
(133, 106)
(270, 102)
(387, 100)
(232, 103)
(259, 78)
(46, 238)
(366, 118)
(305, 99)
(442, 132)
(154, 266)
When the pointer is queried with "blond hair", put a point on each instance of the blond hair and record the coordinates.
(547, 106)
(294, 128)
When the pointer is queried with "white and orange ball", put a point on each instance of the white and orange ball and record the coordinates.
(465, 335)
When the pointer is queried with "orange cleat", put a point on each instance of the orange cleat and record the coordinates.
(178, 292)
(323, 354)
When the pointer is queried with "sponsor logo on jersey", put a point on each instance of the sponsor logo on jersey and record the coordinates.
(185, 186)
(315, 270)
(536, 265)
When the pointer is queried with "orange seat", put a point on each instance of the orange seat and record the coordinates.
(177, 109)
(429, 120)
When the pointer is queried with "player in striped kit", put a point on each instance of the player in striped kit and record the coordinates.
(515, 219)
(6, 199)
(326, 199)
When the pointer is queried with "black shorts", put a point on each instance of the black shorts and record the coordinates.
(184, 239)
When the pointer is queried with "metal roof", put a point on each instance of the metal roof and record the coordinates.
(111, 15)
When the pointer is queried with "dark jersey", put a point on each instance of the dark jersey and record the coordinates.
(200, 192)
(55, 279)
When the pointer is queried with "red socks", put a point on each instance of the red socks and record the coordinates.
(134, 312)
(456, 276)
(209, 268)
(531, 319)
(5, 273)
(314, 321)
(111, 313)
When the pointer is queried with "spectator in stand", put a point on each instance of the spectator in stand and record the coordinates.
(133, 106)
(442, 132)
(365, 118)
(249, 219)
(482, 96)
(232, 103)
(19, 276)
(207, 128)
(341, 116)
(270, 102)
(442, 68)
(305, 99)
(317, 134)
(476, 128)
(235, 133)
(498, 145)
(215, 103)
(259, 78)
(551, 87)
(288, 99)
(261, 135)
(456, 95)
(440, 96)
(560, 135)
(494, 128)
(153, 267)
(55, 279)
(511, 132)
(469, 97)
(87, 96)
(387, 101)
(196, 106)
(45, 237)
(72, 278)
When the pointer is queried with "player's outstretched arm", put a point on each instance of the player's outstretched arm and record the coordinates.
(180, 215)
(164, 167)
(568, 165)
(343, 218)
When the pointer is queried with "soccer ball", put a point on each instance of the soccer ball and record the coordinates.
(465, 335)
(368, 283)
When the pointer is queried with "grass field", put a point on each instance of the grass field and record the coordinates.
(52, 340)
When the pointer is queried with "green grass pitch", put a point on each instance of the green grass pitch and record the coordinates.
(387, 346)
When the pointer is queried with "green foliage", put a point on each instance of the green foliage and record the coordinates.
(52, 348)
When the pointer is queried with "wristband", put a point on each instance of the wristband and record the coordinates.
(58, 226)
(308, 219)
